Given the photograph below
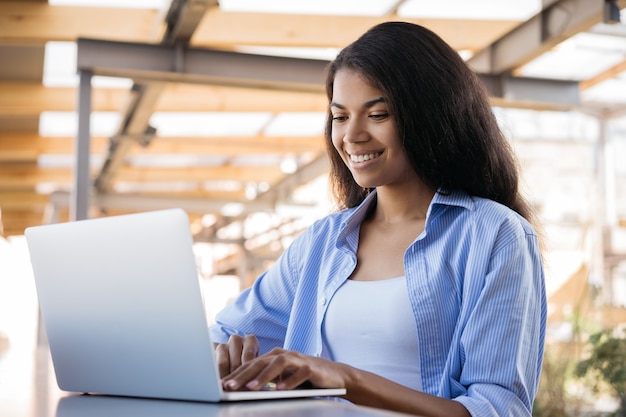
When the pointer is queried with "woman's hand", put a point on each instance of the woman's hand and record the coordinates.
(238, 351)
(288, 369)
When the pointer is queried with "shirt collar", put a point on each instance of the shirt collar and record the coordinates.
(355, 217)
(451, 198)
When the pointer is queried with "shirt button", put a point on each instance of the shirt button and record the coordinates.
(322, 301)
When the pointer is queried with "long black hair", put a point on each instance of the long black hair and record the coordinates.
(442, 111)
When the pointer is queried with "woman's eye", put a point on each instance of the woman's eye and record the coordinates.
(379, 116)
(339, 118)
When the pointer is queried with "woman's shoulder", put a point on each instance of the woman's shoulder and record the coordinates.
(490, 212)
(484, 212)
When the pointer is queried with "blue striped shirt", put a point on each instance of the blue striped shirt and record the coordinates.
(476, 285)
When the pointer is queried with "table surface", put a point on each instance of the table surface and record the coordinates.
(97, 406)
(28, 389)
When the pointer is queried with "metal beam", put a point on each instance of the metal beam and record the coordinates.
(81, 186)
(181, 20)
(558, 21)
(556, 93)
(134, 127)
(158, 63)
(207, 66)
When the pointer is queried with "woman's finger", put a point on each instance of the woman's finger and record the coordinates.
(222, 358)
(250, 348)
(235, 349)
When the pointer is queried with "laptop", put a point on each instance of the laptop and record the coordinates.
(123, 311)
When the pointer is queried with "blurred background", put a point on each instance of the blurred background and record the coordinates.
(217, 107)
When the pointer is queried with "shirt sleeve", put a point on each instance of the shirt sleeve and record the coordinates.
(502, 344)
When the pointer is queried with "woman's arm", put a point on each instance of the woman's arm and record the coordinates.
(290, 369)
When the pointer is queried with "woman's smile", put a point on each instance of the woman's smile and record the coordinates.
(364, 157)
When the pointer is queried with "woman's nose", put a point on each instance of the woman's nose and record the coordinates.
(355, 132)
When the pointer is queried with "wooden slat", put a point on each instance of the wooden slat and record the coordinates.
(269, 174)
(23, 21)
(34, 98)
(225, 29)
(32, 22)
(195, 97)
(23, 176)
(232, 146)
(22, 200)
(22, 147)
(15, 221)
(20, 98)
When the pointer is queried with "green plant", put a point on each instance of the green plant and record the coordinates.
(607, 360)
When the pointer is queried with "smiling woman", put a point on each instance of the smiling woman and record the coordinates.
(431, 230)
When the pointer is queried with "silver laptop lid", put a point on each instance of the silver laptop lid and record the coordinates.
(122, 307)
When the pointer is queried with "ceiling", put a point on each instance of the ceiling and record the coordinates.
(218, 108)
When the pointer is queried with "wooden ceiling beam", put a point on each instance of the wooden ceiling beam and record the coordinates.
(30, 22)
(25, 176)
(231, 147)
(197, 97)
(15, 147)
(20, 98)
(20, 146)
(22, 200)
(15, 221)
(28, 176)
(224, 29)
(248, 173)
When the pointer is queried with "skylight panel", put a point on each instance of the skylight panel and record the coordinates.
(130, 4)
(175, 161)
(158, 186)
(59, 64)
(609, 91)
(476, 9)
(210, 123)
(580, 57)
(222, 185)
(65, 161)
(257, 160)
(296, 124)
(60, 123)
(327, 54)
(318, 7)
(555, 125)
(59, 68)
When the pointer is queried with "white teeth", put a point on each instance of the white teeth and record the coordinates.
(362, 158)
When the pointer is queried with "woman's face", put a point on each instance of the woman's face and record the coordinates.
(365, 134)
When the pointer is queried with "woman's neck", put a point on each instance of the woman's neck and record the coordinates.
(397, 205)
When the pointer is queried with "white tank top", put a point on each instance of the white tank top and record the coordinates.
(370, 325)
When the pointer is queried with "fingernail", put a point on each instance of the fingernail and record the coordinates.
(231, 384)
(252, 384)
